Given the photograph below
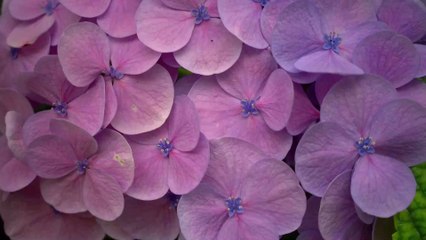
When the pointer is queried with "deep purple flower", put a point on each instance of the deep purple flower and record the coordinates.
(139, 93)
(153, 220)
(244, 195)
(319, 36)
(119, 19)
(251, 101)
(37, 17)
(27, 216)
(365, 127)
(174, 157)
(81, 173)
(190, 29)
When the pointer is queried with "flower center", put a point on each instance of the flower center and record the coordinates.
(82, 166)
(14, 52)
(50, 7)
(234, 206)
(115, 74)
(60, 108)
(332, 42)
(365, 146)
(261, 2)
(201, 14)
(249, 108)
(165, 147)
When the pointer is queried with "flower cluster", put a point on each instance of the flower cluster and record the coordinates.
(101, 134)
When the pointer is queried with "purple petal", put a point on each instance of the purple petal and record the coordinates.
(248, 75)
(161, 28)
(325, 151)
(372, 180)
(14, 125)
(298, 33)
(24, 10)
(28, 32)
(111, 103)
(415, 90)
(243, 229)
(187, 5)
(388, 55)
(337, 215)
(211, 49)
(242, 18)
(352, 103)
(86, 8)
(194, 162)
(399, 129)
(184, 126)
(324, 83)
(310, 219)
(11, 100)
(36, 126)
(64, 18)
(144, 101)
(184, 85)
(421, 49)
(270, 16)
(119, 20)
(82, 63)
(276, 100)
(15, 175)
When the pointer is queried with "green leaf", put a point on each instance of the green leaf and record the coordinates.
(410, 224)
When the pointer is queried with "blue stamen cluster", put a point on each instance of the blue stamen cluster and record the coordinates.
(365, 146)
(165, 147)
(60, 108)
(14, 52)
(234, 206)
(261, 2)
(249, 108)
(201, 14)
(82, 166)
(173, 199)
(50, 7)
(332, 42)
(115, 74)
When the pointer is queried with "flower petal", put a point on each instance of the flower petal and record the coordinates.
(119, 20)
(28, 32)
(86, 8)
(270, 16)
(24, 10)
(15, 175)
(303, 113)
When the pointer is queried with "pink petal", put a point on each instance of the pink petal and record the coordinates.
(270, 16)
(14, 125)
(64, 194)
(242, 18)
(130, 56)
(372, 180)
(111, 103)
(243, 229)
(276, 100)
(150, 138)
(303, 113)
(24, 10)
(161, 28)
(325, 151)
(144, 101)
(36, 126)
(326, 61)
(114, 158)
(184, 126)
(51, 157)
(86, 8)
(249, 74)
(11, 100)
(170, 60)
(151, 170)
(187, 5)
(184, 85)
(211, 50)
(186, 169)
(102, 196)
(82, 63)
(15, 175)
(280, 202)
(63, 18)
(119, 20)
(28, 32)
(324, 83)
(399, 129)
(83, 144)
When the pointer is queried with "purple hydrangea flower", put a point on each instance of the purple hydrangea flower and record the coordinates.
(244, 195)
(319, 36)
(251, 101)
(81, 106)
(190, 29)
(365, 127)
(27, 216)
(174, 157)
(37, 17)
(80, 172)
(153, 220)
(139, 93)
(119, 19)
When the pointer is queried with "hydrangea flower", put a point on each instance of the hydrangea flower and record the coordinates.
(365, 127)
(251, 101)
(37, 17)
(81, 106)
(139, 93)
(153, 220)
(27, 216)
(174, 157)
(80, 172)
(320, 36)
(119, 19)
(244, 195)
(190, 29)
